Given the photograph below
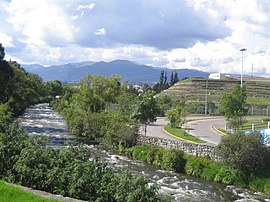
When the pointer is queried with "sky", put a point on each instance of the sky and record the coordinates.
(205, 35)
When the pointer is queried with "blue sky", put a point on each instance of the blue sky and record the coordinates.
(199, 34)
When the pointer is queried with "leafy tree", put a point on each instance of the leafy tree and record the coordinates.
(95, 92)
(244, 152)
(2, 52)
(234, 107)
(164, 103)
(177, 115)
(146, 110)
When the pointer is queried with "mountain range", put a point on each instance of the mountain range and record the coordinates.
(127, 70)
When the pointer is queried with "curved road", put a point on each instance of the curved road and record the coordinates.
(200, 127)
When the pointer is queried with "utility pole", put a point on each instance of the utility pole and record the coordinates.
(252, 71)
(206, 98)
(242, 50)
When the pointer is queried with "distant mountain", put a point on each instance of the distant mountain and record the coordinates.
(133, 72)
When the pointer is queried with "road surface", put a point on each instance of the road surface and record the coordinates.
(200, 127)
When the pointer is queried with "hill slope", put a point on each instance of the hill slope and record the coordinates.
(195, 90)
(130, 71)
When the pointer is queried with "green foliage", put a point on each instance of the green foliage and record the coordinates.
(166, 159)
(228, 175)
(164, 102)
(195, 166)
(95, 92)
(12, 141)
(15, 194)
(177, 116)
(244, 152)
(2, 52)
(19, 89)
(66, 171)
(234, 107)
(261, 185)
(147, 109)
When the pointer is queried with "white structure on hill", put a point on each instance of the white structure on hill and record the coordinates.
(219, 76)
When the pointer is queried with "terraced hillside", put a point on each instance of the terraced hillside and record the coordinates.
(196, 89)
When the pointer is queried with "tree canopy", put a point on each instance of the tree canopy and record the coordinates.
(234, 107)
(147, 109)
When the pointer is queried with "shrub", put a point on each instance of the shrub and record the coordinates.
(244, 152)
(173, 160)
(228, 175)
(195, 166)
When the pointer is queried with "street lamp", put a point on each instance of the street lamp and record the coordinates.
(242, 50)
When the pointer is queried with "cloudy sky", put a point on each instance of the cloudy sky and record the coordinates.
(197, 34)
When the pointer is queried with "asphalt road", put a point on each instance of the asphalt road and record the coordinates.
(200, 127)
(203, 129)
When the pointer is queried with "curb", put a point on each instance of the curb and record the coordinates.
(178, 137)
(219, 131)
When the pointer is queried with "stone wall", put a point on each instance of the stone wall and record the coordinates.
(188, 148)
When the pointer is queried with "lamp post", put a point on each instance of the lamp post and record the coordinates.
(242, 50)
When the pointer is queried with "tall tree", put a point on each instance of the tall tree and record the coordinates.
(146, 110)
(161, 79)
(175, 78)
(234, 107)
(2, 52)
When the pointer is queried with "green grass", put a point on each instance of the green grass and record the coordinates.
(178, 132)
(10, 193)
(258, 124)
(258, 101)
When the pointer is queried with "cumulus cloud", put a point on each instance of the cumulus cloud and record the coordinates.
(200, 34)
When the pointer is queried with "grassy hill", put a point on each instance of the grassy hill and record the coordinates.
(195, 90)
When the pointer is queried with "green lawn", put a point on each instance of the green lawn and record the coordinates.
(178, 132)
(9, 193)
(258, 124)
(258, 101)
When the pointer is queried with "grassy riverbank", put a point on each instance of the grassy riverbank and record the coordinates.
(203, 167)
(11, 193)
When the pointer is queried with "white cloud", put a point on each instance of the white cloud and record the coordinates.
(100, 32)
(6, 40)
(86, 6)
(200, 34)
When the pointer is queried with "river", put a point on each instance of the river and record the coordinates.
(41, 120)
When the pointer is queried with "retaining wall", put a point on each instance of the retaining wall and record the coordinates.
(188, 148)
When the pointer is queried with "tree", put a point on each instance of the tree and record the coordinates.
(146, 110)
(177, 116)
(243, 152)
(234, 107)
(2, 52)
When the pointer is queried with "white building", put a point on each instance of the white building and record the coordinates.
(219, 76)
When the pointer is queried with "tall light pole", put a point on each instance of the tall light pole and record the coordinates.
(242, 50)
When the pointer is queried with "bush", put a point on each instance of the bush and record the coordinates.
(173, 160)
(244, 152)
(210, 171)
(228, 175)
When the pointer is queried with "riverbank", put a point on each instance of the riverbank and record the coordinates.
(178, 187)
(202, 167)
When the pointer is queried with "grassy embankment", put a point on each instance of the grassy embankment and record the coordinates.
(181, 134)
(11, 193)
(203, 167)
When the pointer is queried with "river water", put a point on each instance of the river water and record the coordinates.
(41, 120)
